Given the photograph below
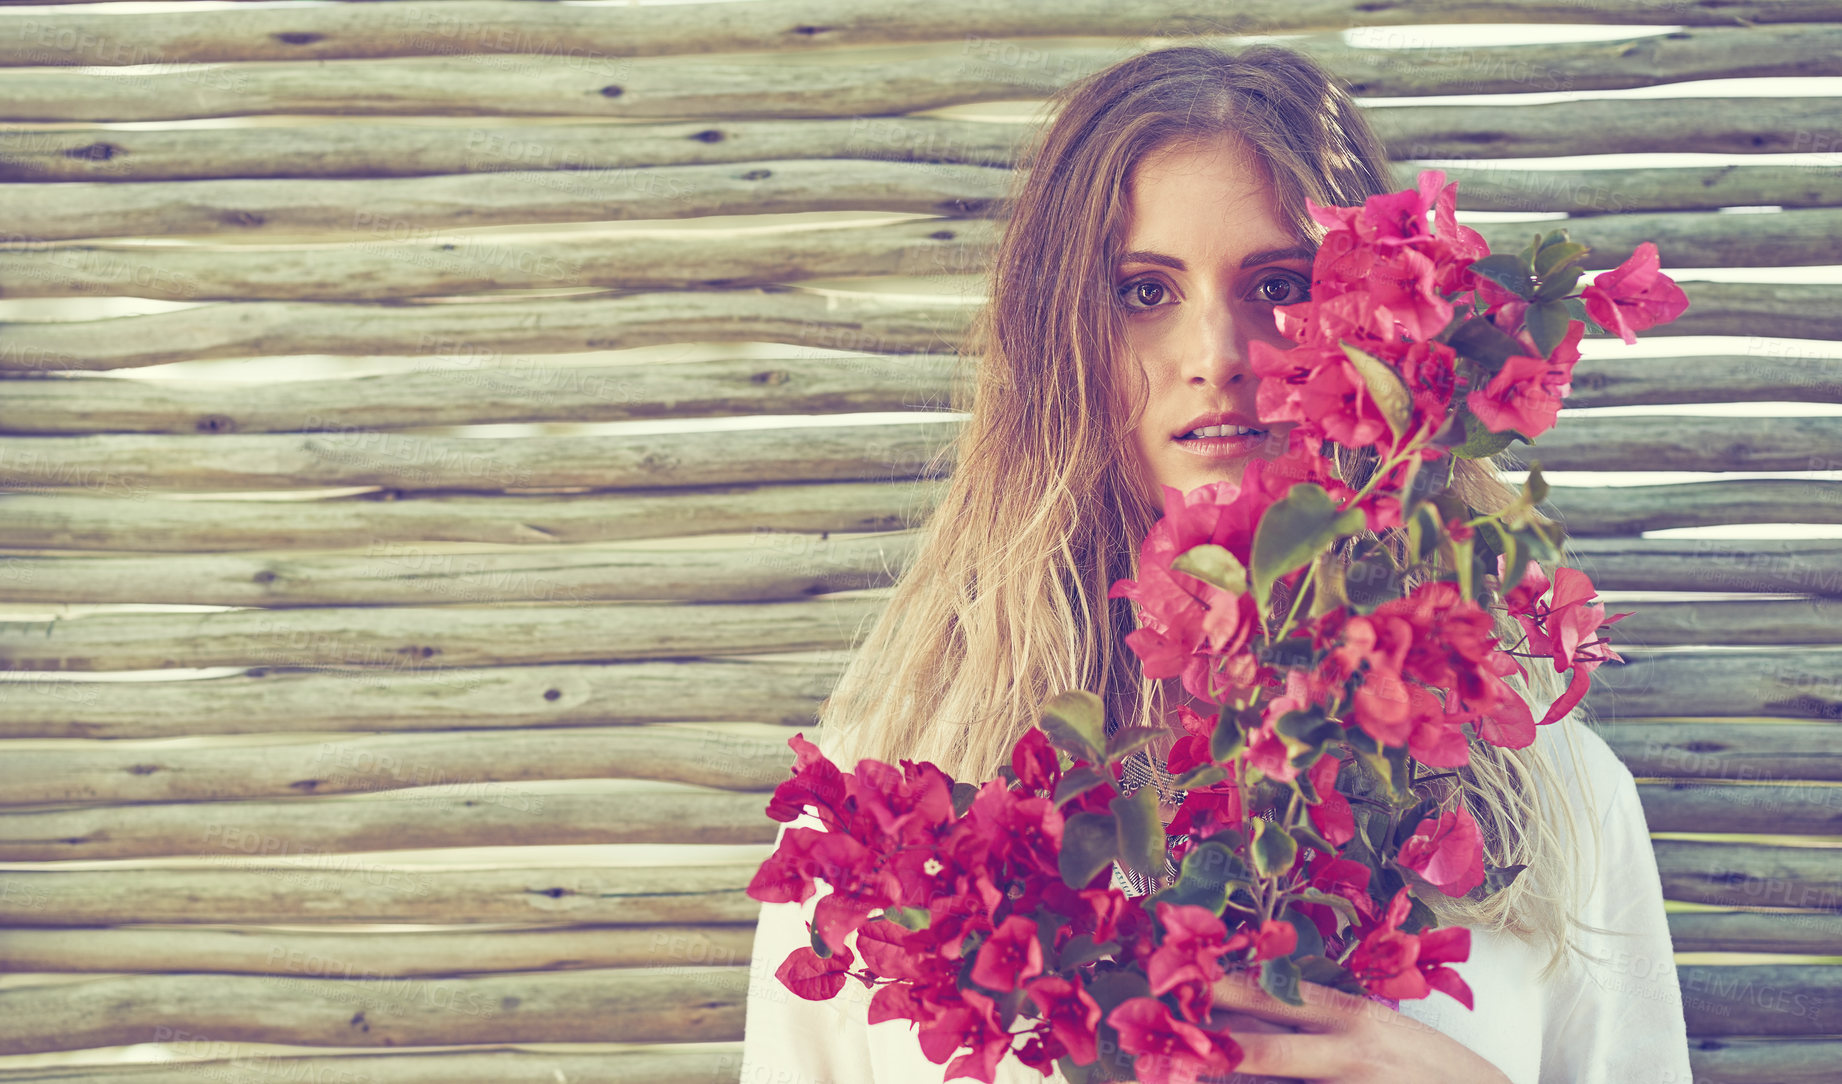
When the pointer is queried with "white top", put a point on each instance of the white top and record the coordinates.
(1616, 1019)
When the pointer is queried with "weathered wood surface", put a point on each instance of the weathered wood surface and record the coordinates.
(124, 518)
(380, 217)
(1768, 565)
(675, 1004)
(755, 759)
(451, 391)
(766, 567)
(580, 36)
(406, 263)
(454, 391)
(678, 86)
(1762, 999)
(1751, 875)
(337, 459)
(435, 638)
(420, 954)
(351, 888)
(1726, 623)
(1801, 809)
(1754, 752)
(419, 266)
(1751, 125)
(1791, 683)
(389, 209)
(1628, 510)
(708, 1063)
(1811, 933)
(445, 815)
(136, 462)
(1765, 1061)
(873, 324)
(404, 699)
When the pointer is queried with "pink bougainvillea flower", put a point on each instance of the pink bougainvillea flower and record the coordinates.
(1072, 1013)
(1634, 296)
(1169, 1050)
(1525, 395)
(1011, 955)
(1447, 850)
(812, 976)
(1331, 816)
(1405, 966)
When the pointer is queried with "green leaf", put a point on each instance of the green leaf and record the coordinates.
(1419, 916)
(1205, 875)
(1555, 256)
(1213, 564)
(1090, 842)
(1305, 732)
(1230, 737)
(1307, 836)
(1129, 739)
(1310, 941)
(1482, 342)
(1076, 781)
(1547, 325)
(1385, 387)
(1202, 775)
(1293, 531)
(1577, 309)
(1141, 831)
(819, 947)
(1273, 850)
(1279, 977)
(909, 918)
(963, 793)
(1556, 236)
(1344, 908)
(1075, 722)
(1327, 972)
(1557, 286)
(1480, 442)
(1081, 949)
(1498, 878)
(1513, 273)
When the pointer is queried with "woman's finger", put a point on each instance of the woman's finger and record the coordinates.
(1290, 1055)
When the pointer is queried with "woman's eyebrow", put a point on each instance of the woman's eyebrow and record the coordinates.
(1290, 252)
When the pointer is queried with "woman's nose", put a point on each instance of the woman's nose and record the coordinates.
(1218, 354)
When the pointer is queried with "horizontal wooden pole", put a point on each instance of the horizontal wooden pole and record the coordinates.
(412, 700)
(136, 463)
(1803, 684)
(1807, 809)
(767, 567)
(436, 639)
(1762, 999)
(561, 325)
(353, 888)
(484, 80)
(115, 516)
(1753, 752)
(441, 392)
(1750, 875)
(1628, 510)
(106, 771)
(677, 1004)
(146, 463)
(409, 264)
(382, 210)
(1769, 565)
(336, 954)
(205, 1059)
(415, 265)
(445, 815)
(1810, 933)
(1706, 624)
(488, 329)
(385, 149)
(584, 36)
(1764, 1061)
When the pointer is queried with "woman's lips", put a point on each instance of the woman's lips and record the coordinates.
(1220, 447)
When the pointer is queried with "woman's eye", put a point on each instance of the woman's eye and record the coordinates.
(1292, 292)
(1146, 291)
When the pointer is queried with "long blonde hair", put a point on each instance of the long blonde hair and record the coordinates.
(1005, 601)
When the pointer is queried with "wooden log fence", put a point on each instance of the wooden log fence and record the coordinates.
(201, 1057)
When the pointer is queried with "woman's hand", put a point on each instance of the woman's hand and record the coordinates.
(1337, 1038)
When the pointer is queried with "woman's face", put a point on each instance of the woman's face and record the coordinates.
(1207, 258)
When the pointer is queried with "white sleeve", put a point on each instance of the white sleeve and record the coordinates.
(1617, 1013)
(787, 1039)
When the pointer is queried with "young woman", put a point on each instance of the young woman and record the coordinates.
(1161, 219)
